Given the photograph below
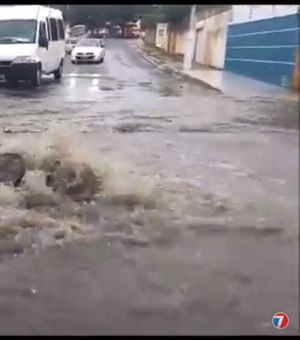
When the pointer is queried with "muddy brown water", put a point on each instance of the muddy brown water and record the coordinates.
(195, 230)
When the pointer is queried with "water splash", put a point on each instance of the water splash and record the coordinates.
(51, 217)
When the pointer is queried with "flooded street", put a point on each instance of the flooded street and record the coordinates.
(195, 230)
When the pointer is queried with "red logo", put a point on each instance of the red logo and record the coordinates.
(280, 320)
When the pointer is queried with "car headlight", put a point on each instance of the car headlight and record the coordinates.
(24, 59)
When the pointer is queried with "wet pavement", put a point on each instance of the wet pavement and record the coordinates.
(226, 168)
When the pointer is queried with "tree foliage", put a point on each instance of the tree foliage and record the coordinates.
(97, 15)
(175, 14)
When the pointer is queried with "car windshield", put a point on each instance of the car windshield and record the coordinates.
(90, 43)
(17, 31)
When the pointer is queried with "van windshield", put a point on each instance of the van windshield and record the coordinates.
(17, 31)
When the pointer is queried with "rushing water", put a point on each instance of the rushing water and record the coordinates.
(196, 211)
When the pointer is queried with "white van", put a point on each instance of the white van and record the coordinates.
(32, 43)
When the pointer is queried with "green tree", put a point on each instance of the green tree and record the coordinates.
(97, 15)
(173, 14)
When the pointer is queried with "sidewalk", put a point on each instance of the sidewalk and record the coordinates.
(222, 81)
(233, 84)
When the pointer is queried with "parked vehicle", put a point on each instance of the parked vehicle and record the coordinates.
(115, 31)
(88, 50)
(32, 43)
(100, 33)
(131, 30)
(78, 30)
(70, 44)
(103, 32)
(143, 35)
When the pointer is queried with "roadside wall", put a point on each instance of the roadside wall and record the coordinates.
(150, 36)
(211, 36)
(172, 38)
(162, 36)
(263, 43)
(181, 39)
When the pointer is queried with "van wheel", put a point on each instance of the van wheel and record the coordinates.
(58, 73)
(12, 82)
(36, 78)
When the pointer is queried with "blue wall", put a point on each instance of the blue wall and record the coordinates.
(264, 49)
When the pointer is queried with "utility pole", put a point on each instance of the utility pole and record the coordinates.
(190, 44)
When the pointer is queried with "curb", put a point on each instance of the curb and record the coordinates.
(138, 51)
(201, 82)
(154, 61)
(145, 56)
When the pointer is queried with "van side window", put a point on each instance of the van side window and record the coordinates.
(54, 32)
(48, 29)
(42, 32)
(61, 29)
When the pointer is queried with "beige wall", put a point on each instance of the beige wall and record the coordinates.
(181, 39)
(211, 40)
(150, 37)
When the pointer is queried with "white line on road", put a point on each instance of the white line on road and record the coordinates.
(92, 84)
(95, 85)
(82, 75)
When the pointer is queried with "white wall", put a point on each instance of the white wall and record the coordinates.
(211, 40)
(161, 40)
(246, 13)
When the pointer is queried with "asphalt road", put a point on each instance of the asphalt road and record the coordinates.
(228, 170)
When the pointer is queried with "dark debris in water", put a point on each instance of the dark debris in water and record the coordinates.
(128, 240)
(10, 247)
(169, 91)
(7, 232)
(217, 128)
(137, 127)
(34, 200)
(210, 229)
(6, 130)
(106, 88)
(12, 168)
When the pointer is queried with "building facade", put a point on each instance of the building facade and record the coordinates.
(263, 43)
(210, 42)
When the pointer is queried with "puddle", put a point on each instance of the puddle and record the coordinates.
(169, 91)
(106, 88)
(137, 127)
(216, 128)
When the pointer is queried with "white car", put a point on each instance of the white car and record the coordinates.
(88, 50)
(70, 44)
(103, 32)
